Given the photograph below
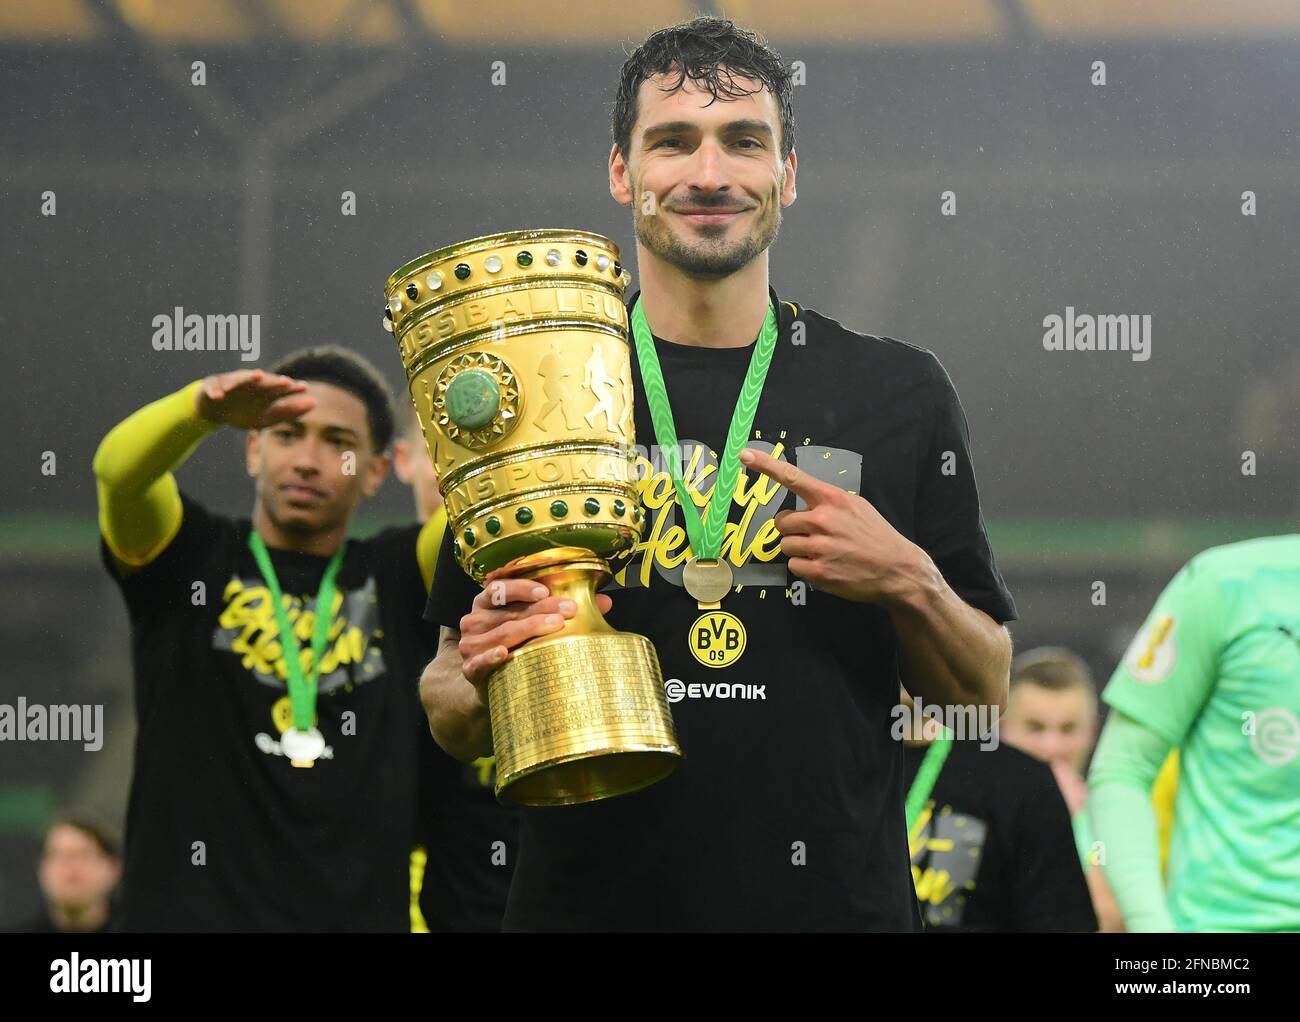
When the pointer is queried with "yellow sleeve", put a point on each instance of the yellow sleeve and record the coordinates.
(1162, 797)
(139, 502)
(429, 542)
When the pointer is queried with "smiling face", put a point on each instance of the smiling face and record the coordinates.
(306, 483)
(704, 176)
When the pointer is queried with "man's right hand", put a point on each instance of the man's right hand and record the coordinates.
(507, 613)
(252, 399)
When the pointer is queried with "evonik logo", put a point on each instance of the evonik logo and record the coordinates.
(676, 690)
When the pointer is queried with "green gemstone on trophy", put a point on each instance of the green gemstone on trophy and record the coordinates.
(469, 537)
(455, 545)
(473, 398)
(619, 508)
(524, 259)
(524, 515)
(559, 509)
(493, 525)
(591, 505)
(461, 271)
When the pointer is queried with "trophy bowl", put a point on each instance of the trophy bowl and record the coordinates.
(516, 352)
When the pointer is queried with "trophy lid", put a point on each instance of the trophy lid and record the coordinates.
(558, 235)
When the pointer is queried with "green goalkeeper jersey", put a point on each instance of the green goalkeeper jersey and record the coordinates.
(1215, 670)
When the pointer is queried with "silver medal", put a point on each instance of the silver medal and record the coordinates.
(302, 747)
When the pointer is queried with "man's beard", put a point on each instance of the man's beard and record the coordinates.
(705, 255)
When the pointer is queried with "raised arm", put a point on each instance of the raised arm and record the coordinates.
(139, 502)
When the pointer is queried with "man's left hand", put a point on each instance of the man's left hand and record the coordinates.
(840, 543)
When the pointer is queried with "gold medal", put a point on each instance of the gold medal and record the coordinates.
(707, 577)
(707, 581)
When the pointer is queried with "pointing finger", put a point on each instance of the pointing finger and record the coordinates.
(812, 490)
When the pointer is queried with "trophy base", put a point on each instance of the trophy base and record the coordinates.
(591, 778)
(580, 718)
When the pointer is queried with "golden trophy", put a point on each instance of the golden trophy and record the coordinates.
(516, 351)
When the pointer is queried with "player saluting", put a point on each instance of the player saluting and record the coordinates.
(1214, 672)
(275, 659)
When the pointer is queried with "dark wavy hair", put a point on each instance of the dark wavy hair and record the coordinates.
(348, 371)
(700, 50)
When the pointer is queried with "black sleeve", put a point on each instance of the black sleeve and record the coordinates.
(949, 524)
(452, 591)
(160, 593)
(409, 641)
(398, 564)
(168, 580)
(1049, 892)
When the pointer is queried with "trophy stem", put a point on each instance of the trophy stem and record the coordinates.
(575, 574)
(578, 714)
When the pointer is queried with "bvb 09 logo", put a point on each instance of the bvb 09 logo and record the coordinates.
(717, 639)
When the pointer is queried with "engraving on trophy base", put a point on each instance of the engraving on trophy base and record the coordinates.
(586, 718)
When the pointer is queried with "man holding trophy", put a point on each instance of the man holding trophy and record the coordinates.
(706, 746)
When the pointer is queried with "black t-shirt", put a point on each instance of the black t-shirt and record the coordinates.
(787, 812)
(993, 850)
(222, 832)
(470, 843)
(470, 840)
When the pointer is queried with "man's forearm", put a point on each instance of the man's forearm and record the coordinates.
(152, 441)
(950, 652)
(1120, 779)
(139, 504)
(458, 718)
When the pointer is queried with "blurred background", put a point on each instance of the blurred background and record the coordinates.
(450, 120)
